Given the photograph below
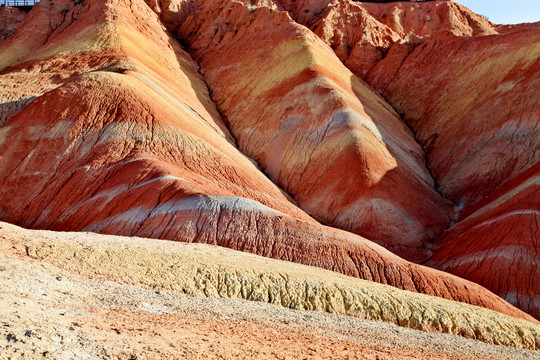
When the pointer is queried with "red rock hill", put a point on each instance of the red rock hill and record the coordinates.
(296, 130)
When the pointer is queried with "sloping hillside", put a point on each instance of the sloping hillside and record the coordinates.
(385, 156)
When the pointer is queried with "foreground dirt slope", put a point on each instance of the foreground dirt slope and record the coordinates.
(126, 289)
(135, 146)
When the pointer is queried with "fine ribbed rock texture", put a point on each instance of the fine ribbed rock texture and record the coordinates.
(493, 108)
(134, 146)
(477, 115)
(468, 89)
(10, 103)
(317, 130)
(208, 271)
(246, 124)
(502, 243)
(412, 40)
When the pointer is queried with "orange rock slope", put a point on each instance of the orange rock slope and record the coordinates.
(109, 126)
(492, 150)
(318, 131)
(476, 113)
(502, 243)
(469, 91)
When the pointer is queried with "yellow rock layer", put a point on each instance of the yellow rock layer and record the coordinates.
(209, 271)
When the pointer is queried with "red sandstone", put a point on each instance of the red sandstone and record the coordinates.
(109, 125)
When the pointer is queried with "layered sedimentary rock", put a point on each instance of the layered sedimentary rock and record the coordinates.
(478, 119)
(136, 307)
(128, 116)
(128, 141)
(436, 62)
(362, 34)
(108, 126)
(471, 157)
(497, 243)
(468, 89)
(10, 19)
(317, 130)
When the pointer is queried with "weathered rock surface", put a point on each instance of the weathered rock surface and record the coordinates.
(362, 34)
(93, 190)
(209, 271)
(468, 89)
(10, 19)
(107, 125)
(316, 129)
(410, 40)
(134, 146)
(494, 108)
(477, 115)
(502, 243)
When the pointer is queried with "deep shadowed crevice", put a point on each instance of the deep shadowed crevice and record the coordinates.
(185, 46)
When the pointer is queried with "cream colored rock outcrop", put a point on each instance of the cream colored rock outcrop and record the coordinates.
(209, 271)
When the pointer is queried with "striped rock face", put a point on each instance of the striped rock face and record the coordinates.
(362, 34)
(317, 130)
(253, 140)
(476, 114)
(486, 160)
(501, 235)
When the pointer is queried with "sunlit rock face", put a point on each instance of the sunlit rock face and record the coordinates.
(317, 130)
(325, 137)
(467, 88)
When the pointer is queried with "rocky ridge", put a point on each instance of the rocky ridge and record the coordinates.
(319, 132)
(110, 126)
(435, 64)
